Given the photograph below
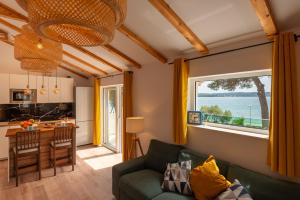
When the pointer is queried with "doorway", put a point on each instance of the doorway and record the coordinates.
(112, 117)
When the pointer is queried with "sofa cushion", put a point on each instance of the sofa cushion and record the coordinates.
(262, 187)
(235, 191)
(206, 180)
(177, 178)
(173, 196)
(161, 153)
(143, 184)
(199, 158)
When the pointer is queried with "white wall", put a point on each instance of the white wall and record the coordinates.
(152, 99)
(112, 80)
(152, 93)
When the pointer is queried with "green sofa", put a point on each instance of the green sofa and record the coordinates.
(141, 178)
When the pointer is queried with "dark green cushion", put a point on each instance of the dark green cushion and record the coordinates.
(262, 187)
(198, 158)
(173, 196)
(161, 153)
(143, 184)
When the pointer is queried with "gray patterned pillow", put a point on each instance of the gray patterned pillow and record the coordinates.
(235, 192)
(176, 178)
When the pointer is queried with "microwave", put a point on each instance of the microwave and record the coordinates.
(20, 96)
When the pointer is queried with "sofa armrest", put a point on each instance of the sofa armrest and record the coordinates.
(125, 168)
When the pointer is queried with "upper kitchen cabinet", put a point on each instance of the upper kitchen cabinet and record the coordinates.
(54, 97)
(4, 88)
(20, 81)
(67, 87)
(42, 94)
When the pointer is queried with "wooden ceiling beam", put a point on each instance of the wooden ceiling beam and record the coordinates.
(3, 35)
(121, 55)
(8, 12)
(96, 57)
(84, 62)
(73, 71)
(61, 66)
(9, 25)
(179, 24)
(142, 43)
(77, 67)
(264, 14)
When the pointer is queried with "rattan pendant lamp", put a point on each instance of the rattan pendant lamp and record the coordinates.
(76, 22)
(37, 54)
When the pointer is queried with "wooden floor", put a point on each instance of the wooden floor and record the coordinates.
(90, 180)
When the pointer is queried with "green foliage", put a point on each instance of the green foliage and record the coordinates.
(217, 114)
(239, 121)
(231, 84)
(213, 110)
(227, 116)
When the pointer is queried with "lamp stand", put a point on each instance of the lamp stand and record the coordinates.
(135, 140)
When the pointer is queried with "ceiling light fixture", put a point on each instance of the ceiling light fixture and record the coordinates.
(43, 90)
(27, 91)
(76, 22)
(56, 89)
(39, 44)
(36, 54)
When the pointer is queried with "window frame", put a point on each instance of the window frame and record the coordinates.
(192, 102)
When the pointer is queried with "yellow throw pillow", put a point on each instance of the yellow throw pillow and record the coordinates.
(206, 180)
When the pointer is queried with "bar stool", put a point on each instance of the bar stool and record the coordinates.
(27, 145)
(63, 139)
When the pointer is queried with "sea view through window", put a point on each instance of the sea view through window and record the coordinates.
(239, 101)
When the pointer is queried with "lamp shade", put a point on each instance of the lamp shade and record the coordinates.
(134, 124)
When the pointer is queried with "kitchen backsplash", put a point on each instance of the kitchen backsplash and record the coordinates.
(42, 111)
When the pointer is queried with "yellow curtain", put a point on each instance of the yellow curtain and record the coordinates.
(284, 140)
(180, 93)
(127, 112)
(97, 127)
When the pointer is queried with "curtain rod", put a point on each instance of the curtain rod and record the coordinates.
(231, 50)
(112, 75)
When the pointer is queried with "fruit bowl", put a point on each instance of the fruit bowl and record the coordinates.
(28, 125)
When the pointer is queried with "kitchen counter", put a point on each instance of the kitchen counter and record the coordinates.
(43, 128)
(47, 134)
(16, 123)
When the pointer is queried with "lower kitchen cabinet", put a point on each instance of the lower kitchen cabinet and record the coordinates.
(3, 143)
(84, 134)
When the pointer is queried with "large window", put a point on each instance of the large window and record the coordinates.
(234, 101)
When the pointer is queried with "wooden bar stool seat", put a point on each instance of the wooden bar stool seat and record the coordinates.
(27, 145)
(61, 145)
(63, 139)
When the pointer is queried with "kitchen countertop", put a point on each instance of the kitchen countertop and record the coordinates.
(16, 123)
(43, 128)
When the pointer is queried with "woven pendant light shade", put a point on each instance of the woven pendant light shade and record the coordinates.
(35, 53)
(76, 22)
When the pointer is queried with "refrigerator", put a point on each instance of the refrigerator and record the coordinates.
(84, 97)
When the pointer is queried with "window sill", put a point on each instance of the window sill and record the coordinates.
(231, 131)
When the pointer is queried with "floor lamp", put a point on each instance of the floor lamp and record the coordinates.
(135, 125)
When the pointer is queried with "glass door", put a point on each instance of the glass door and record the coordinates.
(112, 117)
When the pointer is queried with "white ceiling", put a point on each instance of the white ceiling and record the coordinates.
(213, 21)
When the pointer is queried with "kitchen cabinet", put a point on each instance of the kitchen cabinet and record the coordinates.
(42, 98)
(67, 87)
(3, 143)
(4, 88)
(84, 134)
(54, 97)
(20, 81)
